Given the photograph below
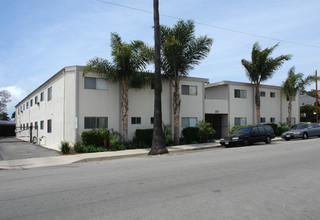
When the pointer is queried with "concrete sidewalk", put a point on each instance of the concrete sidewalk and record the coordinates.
(87, 157)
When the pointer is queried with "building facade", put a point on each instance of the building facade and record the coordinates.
(229, 104)
(68, 104)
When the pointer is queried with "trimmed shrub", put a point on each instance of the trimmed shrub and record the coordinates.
(118, 146)
(65, 147)
(191, 135)
(96, 137)
(282, 127)
(78, 147)
(206, 132)
(144, 135)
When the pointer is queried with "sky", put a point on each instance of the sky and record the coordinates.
(38, 38)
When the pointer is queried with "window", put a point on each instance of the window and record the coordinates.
(27, 105)
(240, 93)
(41, 125)
(189, 90)
(272, 94)
(262, 120)
(95, 83)
(31, 102)
(50, 93)
(95, 122)
(188, 122)
(24, 107)
(20, 126)
(24, 126)
(152, 120)
(263, 94)
(41, 96)
(272, 120)
(135, 120)
(36, 125)
(31, 125)
(293, 121)
(36, 100)
(49, 126)
(242, 121)
(27, 125)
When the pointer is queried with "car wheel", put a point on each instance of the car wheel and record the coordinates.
(268, 140)
(287, 139)
(305, 135)
(246, 142)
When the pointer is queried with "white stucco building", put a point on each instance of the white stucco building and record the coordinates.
(68, 103)
(229, 104)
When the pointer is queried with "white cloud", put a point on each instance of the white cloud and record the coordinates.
(17, 93)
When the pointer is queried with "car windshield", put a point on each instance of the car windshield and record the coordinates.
(243, 130)
(301, 126)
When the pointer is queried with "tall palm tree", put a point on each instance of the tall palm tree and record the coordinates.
(181, 51)
(291, 86)
(127, 69)
(261, 68)
(158, 140)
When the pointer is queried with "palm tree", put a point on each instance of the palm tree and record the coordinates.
(291, 86)
(127, 69)
(158, 140)
(261, 68)
(181, 51)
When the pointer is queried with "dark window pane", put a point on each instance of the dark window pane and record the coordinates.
(89, 83)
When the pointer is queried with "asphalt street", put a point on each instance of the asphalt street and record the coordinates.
(276, 181)
(12, 148)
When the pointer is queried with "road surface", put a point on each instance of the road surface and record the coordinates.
(276, 181)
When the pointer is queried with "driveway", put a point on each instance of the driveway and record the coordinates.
(12, 148)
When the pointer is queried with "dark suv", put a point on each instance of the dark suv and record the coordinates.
(249, 135)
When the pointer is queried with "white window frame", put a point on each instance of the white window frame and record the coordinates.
(189, 122)
(189, 90)
(242, 94)
(240, 121)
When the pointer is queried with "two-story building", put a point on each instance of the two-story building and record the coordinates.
(229, 104)
(68, 104)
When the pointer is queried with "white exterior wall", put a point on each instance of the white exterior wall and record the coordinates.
(241, 107)
(192, 105)
(99, 103)
(60, 110)
(71, 103)
(271, 107)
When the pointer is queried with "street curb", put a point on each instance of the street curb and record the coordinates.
(31, 163)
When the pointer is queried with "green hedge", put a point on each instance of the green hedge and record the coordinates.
(144, 135)
(96, 137)
(191, 135)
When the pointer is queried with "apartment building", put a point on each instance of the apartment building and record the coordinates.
(229, 104)
(68, 104)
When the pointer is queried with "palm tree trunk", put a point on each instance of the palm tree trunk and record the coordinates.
(289, 112)
(257, 101)
(124, 110)
(158, 141)
(176, 111)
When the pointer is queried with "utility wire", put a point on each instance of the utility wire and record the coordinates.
(212, 26)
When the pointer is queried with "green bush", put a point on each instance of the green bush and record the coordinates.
(119, 146)
(167, 134)
(65, 147)
(281, 127)
(206, 132)
(96, 137)
(78, 147)
(144, 135)
(191, 135)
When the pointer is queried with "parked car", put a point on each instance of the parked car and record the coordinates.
(302, 131)
(249, 135)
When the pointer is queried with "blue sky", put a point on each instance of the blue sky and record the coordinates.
(38, 38)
